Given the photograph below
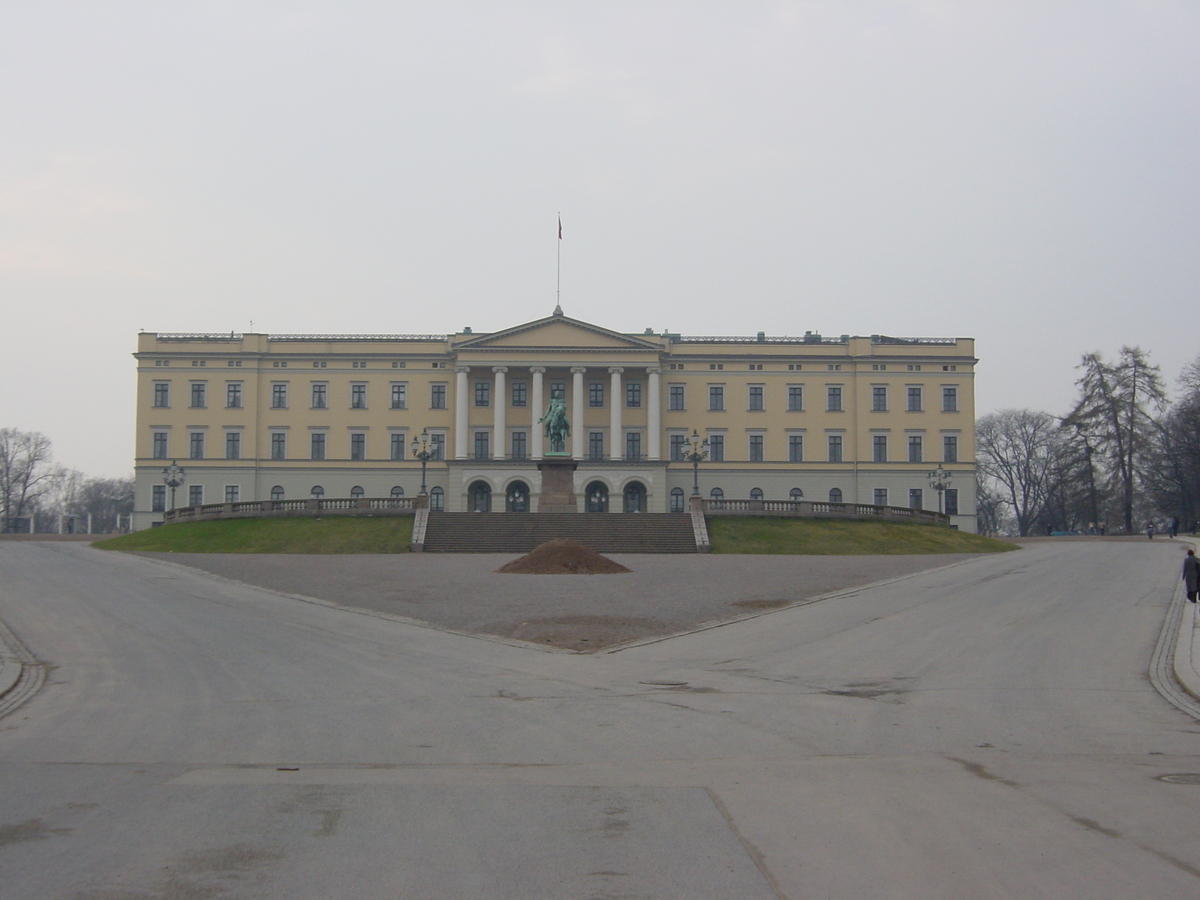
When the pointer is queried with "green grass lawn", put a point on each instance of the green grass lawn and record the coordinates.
(392, 534)
(837, 537)
(337, 534)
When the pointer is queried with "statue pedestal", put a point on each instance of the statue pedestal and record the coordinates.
(558, 486)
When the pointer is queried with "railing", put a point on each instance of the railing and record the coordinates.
(356, 337)
(345, 506)
(822, 509)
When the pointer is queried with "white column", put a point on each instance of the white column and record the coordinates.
(654, 416)
(539, 409)
(499, 437)
(614, 417)
(460, 411)
(577, 411)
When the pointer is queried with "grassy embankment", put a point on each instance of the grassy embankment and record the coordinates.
(392, 535)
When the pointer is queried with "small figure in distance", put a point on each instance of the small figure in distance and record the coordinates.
(1191, 575)
(1150, 529)
(1173, 527)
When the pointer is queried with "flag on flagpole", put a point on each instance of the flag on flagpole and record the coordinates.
(560, 228)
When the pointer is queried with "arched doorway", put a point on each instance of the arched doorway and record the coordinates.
(597, 497)
(516, 500)
(479, 497)
(635, 497)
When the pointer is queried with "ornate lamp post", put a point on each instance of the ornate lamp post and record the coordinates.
(939, 480)
(697, 452)
(421, 451)
(173, 476)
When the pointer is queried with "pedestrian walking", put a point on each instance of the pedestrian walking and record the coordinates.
(1150, 530)
(1173, 527)
(1191, 575)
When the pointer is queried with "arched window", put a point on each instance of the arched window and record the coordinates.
(596, 496)
(516, 499)
(756, 493)
(835, 495)
(317, 492)
(479, 495)
(397, 491)
(716, 494)
(356, 492)
(437, 500)
(796, 494)
(635, 497)
(277, 493)
(677, 501)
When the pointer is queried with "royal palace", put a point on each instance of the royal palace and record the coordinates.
(648, 417)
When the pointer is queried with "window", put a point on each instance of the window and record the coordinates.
(716, 494)
(520, 393)
(437, 396)
(231, 493)
(914, 368)
(678, 447)
(358, 365)
(159, 450)
(198, 394)
(756, 493)
(795, 398)
(396, 445)
(399, 396)
(835, 448)
(318, 445)
(397, 491)
(320, 396)
(278, 445)
(756, 448)
(279, 396)
(158, 498)
(356, 492)
(437, 500)
(796, 495)
(233, 394)
(596, 393)
(558, 389)
(952, 501)
(196, 495)
(358, 396)
(595, 445)
(520, 445)
(317, 491)
(879, 448)
(795, 448)
(677, 501)
(437, 446)
(358, 446)
(675, 397)
(633, 445)
(320, 364)
(914, 498)
(881, 497)
(950, 448)
(833, 398)
(483, 444)
(914, 399)
(483, 393)
(755, 399)
(835, 495)
(279, 364)
(878, 398)
(162, 394)
(716, 396)
(399, 364)
(196, 445)
(914, 448)
(949, 399)
(277, 493)
(233, 445)
(633, 394)
(716, 447)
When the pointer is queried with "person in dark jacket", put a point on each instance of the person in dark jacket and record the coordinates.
(1191, 575)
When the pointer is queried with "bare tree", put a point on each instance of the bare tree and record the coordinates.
(27, 472)
(1020, 452)
(1114, 411)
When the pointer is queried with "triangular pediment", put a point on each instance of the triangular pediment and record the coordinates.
(556, 332)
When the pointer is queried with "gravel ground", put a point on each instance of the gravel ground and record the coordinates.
(662, 594)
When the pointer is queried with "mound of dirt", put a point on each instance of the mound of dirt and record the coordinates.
(562, 556)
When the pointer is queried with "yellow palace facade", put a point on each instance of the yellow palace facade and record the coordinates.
(291, 416)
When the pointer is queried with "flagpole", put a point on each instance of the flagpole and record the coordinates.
(558, 270)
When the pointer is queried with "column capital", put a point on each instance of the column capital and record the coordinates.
(500, 369)
(578, 370)
(653, 370)
(462, 370)
(615, 370)
(537, 370)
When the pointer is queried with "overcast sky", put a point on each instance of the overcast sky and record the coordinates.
(1025, 174)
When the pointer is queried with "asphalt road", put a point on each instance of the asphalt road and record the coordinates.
(986, 730)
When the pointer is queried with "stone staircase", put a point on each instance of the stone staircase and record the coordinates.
(521, 532)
